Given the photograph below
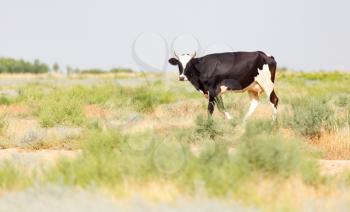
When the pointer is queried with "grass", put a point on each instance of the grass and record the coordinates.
(173, 144)
(12, 177)
(109, 159)
(207, 127)
(61, 108)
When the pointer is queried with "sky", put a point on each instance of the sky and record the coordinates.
(304, 35)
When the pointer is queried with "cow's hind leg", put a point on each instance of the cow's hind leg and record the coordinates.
(254, 102)
(227, 84)
(221, 107)
(211, 105)
(274, 104)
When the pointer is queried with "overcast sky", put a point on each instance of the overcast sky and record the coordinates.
(301, 34)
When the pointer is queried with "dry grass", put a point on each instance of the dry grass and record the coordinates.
(264, 191)
(15, 110)
(96, 111)
(335, 145)
(157, 191)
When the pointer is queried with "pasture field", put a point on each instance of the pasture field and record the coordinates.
(144, 142)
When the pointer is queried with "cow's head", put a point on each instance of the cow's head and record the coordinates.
(181, 61)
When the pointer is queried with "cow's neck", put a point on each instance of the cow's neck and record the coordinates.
(192, 74)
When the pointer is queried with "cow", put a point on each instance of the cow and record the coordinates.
(214, 74)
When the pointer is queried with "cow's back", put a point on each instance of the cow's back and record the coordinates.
(241, 66)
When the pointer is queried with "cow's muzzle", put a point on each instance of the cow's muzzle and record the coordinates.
(181, 78)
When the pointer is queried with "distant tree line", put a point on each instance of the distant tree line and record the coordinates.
(10, 65)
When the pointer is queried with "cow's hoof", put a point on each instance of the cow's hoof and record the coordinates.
(227, 116)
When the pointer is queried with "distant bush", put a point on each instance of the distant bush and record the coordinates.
(121, 70)
(9, 65)
(93, 71)
(101, 71)
(330, 76)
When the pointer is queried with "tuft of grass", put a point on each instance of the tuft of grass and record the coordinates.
(207, 127)
(3, 123)
(4, 100)
(343, 100)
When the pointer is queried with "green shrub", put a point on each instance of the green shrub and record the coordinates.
(310, 117)
(259, 126)
(207, 127)
(61, 108)
(106, 159)
(270, 154)
(275, 155)
(111, 158)
(4, 100)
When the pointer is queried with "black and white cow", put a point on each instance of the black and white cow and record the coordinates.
(214, 74)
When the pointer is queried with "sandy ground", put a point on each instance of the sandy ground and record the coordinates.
(31, 158)
(331, 167)
(40, 199)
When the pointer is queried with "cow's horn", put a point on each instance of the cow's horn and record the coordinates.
(194, 54)
(175, 54)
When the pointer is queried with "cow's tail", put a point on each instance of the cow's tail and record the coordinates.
(270, 60)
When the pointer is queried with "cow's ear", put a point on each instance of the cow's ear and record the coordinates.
(173, 61)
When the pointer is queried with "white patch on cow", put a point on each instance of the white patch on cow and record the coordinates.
(223, 89)
(264, 80)
(184, 59)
